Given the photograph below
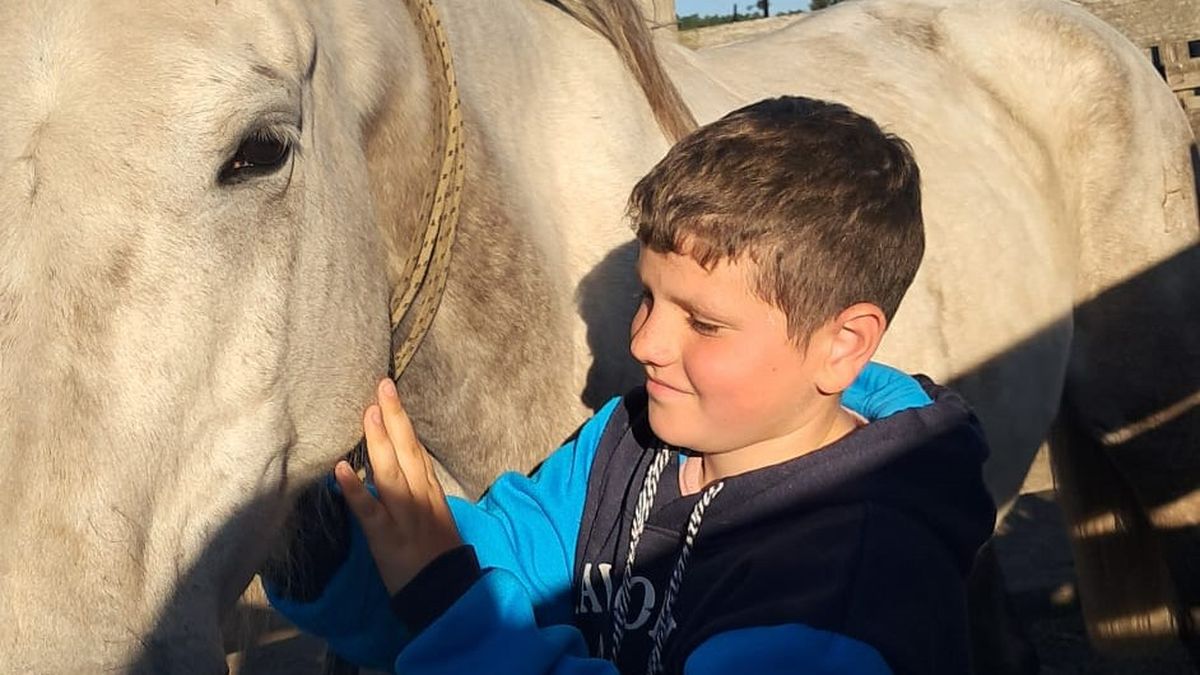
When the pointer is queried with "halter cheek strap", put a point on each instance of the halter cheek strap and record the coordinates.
(413, 310)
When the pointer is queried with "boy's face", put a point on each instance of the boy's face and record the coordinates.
(721, 371)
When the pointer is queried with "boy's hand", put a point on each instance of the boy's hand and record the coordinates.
(410, 524)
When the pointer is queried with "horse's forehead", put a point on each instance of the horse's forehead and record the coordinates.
(56, 53)
(101, 78)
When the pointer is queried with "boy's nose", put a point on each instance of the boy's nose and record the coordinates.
(650, 341)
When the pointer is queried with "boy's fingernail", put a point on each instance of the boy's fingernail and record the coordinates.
(376, 418)
(387, 387)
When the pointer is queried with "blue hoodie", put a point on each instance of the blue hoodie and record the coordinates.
(851, 559)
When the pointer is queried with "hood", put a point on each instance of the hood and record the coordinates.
(921, 454)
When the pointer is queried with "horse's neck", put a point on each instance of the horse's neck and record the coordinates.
(541, 90)
(540, 93)
(557, 132)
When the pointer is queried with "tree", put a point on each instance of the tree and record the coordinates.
(765, 6)
(822, 4)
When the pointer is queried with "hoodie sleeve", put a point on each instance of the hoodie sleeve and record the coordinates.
(491, 629)
(787, 648)
(525, 527)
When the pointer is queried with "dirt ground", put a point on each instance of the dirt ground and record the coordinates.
(713, 36)
(1032, 548)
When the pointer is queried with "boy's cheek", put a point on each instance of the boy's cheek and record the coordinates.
(686, 423)
(723, 377)
(674, 423)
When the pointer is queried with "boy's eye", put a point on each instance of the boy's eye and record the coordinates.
(704, 328)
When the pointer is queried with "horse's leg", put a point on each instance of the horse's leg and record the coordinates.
(1015, 395)
(999, 646)
(1125, 585)
(1127, 455)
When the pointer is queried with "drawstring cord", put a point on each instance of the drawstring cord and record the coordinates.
(666, 617)
(665, 623)
(640, 513)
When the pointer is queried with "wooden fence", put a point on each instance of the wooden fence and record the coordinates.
(1179, 63)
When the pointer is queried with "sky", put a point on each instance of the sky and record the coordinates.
(707, 7)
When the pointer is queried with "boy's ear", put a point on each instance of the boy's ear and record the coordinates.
(854, 335)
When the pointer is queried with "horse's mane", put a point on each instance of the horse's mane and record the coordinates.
(622, 23)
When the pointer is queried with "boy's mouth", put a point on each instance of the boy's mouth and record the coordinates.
(656, 387)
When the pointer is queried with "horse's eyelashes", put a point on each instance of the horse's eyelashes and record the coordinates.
(264, 151)
(261, 153)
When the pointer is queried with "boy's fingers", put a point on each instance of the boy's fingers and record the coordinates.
(360, 501)
(408, 448)
(379, 446)
(430, 474)
(437, 495)
(394, 486)
(396, 420)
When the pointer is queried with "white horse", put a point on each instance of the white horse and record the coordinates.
(206, 205)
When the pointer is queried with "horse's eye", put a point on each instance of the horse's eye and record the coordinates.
(261, 153)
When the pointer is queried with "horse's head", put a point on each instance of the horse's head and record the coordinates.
(193, 304)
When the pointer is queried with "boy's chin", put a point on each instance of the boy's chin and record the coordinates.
(671, 428)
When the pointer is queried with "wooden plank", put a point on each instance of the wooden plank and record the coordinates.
(1176, 55)
(1184, 81)
(1181, 70)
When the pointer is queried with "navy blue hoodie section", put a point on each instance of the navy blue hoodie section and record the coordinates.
(871, 537)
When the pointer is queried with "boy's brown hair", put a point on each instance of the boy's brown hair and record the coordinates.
(825, 203)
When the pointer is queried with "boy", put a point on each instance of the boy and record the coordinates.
(769, 502)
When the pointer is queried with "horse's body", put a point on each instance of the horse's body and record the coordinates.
(179, 356)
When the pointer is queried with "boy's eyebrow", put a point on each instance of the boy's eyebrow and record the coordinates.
(698, 310)
(692, 307)
(688, 306)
